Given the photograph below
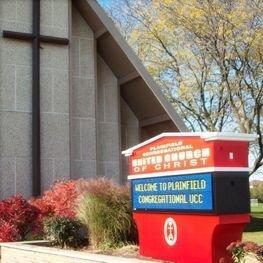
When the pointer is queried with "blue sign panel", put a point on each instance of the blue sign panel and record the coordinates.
(187, 192)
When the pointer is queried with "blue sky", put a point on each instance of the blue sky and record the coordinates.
(106, 2)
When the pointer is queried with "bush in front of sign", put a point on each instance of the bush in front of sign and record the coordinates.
(105, 209)
(65, 232)
(59, 200)
(17, 218)
(246, 252)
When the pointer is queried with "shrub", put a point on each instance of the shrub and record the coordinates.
(65, 232)
(60, 200)
(241, 251)
(17, 218)
(105, 210)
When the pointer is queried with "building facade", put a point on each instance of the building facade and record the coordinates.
(95, 97)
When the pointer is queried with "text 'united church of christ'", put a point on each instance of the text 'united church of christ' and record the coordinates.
(174, 155)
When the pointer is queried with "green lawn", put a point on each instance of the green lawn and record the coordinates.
(254, 231)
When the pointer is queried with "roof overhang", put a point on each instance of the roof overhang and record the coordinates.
(137, 87)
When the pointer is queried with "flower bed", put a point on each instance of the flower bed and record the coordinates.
(73, 213)
(79, 214)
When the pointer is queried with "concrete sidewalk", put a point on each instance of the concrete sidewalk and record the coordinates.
(24, 252)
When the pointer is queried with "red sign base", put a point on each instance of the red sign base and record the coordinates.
(194, 238)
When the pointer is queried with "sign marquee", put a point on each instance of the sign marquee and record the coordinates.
(191, 153)
(169, 154)
(191, 192)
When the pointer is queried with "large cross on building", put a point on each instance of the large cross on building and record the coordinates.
(36, 38)
(79, 99)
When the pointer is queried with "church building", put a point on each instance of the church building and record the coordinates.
(73, 95)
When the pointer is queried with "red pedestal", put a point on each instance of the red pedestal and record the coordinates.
(199, 238)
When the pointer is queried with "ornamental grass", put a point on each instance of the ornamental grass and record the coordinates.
(105, 209)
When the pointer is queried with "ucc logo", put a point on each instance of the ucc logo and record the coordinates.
(170, 231)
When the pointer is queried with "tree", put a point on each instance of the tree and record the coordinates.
(257, 192)
(207, 57)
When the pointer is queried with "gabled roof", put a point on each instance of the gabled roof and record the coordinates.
(137, 87)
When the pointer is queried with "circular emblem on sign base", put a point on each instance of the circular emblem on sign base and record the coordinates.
(170, 231)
